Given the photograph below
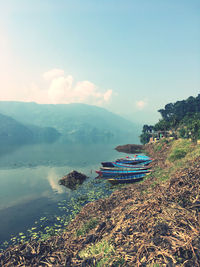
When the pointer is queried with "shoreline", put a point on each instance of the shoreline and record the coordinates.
(147, 222)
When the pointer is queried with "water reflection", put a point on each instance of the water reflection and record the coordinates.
(29, 178)
(53, 181)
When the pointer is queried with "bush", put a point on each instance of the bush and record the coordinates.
(182, 133)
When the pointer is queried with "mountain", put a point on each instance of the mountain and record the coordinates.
(76, 122)
(14, 132)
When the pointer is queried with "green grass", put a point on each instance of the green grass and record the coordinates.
(189, 152)
(153, 184)
(177, 154)
(158, 147)
(180, 148)
(87, 227)
(102, 251)
(181, 152)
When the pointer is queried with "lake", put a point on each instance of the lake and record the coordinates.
(32, 203)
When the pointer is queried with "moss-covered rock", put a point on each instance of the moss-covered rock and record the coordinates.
(72, 179)
(130, 148)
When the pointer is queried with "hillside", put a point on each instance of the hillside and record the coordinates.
(76, 122)
(14, 132)
(152, 223)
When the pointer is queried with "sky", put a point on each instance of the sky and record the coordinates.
(131, 57)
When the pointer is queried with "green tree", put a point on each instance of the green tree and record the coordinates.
(144, 138)
(162, 125)
(194, 130)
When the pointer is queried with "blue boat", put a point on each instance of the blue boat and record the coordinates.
(134, 160)
(124, 165)
(126, 179)
(133, 168)
(110, 173)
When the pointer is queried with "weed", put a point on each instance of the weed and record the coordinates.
(153, 184)
(177, 154)
(164, 177)
(164, 141)
(87, 227)
(158, 147)
(102, 251)
(119, 262)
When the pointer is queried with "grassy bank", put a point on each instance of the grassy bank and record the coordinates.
(151, 223)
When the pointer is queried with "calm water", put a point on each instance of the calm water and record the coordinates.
(30, 196)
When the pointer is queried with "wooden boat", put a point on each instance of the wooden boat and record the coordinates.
(126, 179)
(110, 173)
(133, 160)
(124, 165)
(134, 167)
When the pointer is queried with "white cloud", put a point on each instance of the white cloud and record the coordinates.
(107, 95)
(54, 88)
(62, 89)
(53, 181)
(51, 74)
(141, 104)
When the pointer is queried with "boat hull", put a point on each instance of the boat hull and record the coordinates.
(122, 165)
(124, 169)
(121, 173)
(126, 179)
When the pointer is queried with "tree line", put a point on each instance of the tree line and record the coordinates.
(181, 117)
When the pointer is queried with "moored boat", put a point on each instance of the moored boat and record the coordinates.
(125, 165)
(125, 170)
(135, 167)
(134, 160)
(126, 179)
(107, 173)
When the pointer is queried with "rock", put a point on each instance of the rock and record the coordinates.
(72, 179)
(130, 148)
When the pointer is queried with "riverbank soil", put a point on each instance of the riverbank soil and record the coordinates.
(152, 223)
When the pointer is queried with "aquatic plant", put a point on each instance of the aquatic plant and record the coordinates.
(54, 224)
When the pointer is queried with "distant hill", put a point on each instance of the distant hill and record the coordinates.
(76, 122)
(14, 132)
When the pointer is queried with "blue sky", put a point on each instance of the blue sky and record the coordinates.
(129, 56)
